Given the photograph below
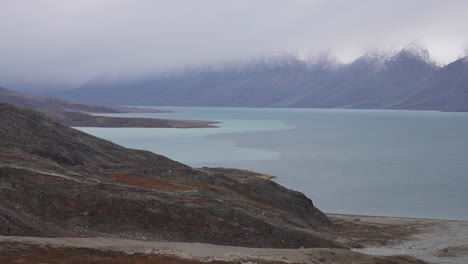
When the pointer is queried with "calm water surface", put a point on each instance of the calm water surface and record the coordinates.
(398, 163)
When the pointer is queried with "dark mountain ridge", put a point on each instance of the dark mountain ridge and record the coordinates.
(375, 80)
(447, 89)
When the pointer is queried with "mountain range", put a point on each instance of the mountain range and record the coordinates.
(402, 79)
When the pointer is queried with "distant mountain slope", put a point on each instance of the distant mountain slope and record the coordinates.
(404, 79)
(75, 114)
(375, 80)
(56, 104)
(58, 181)
(445, 90)
(259, 82)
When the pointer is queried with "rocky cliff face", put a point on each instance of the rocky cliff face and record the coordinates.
(57, 181)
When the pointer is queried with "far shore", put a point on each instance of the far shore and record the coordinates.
(83, 119)
(76, 114)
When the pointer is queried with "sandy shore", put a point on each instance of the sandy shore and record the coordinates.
(435, 241)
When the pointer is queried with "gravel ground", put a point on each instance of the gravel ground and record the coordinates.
(435, 241)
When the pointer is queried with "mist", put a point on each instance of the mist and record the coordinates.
(61, 44)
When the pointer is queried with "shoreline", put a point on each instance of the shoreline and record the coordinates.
(289, 107)
(433, 240)
(81, 119)
(396, 217)
(77, 114)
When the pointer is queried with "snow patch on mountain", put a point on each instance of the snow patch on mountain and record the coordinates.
(380, 60)
(322, 61)
(419, 51)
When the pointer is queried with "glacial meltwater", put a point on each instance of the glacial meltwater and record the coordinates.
(373, 162)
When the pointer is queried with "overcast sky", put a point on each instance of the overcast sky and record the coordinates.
(69, 42)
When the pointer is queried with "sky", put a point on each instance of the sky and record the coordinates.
(59, 44)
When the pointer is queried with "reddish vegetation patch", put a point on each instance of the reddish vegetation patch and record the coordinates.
(6, 205)
(75, 205)
(161, 184)
(9, 156)
(148, 183)
(27, 254)
(258, 205)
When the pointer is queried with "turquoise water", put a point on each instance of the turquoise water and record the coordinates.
(399, 163)
(193, 146)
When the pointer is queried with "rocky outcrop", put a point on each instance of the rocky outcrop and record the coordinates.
(58, 181)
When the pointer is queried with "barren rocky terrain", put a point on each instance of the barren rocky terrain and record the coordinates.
(58, 181)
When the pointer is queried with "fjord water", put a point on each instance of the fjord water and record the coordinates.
(375, 162)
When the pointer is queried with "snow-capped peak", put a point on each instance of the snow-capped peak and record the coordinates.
(418, 50)
(380, 55)
(377, 58)
(381, 59)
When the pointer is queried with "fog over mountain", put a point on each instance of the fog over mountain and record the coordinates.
(403, 79)
(57, 45)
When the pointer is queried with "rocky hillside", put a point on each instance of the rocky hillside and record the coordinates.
(58, 181)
